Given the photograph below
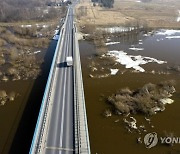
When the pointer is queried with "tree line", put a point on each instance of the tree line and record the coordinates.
(19, 10)
(104, 3)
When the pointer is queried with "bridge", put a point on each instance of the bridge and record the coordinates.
(62, 122)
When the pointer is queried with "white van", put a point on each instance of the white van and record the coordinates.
(69, 61)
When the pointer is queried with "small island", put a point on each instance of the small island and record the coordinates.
(147, 100)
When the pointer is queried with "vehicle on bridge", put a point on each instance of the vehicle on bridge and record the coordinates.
(69, 61)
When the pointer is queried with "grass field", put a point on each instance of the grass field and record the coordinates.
(157, 13)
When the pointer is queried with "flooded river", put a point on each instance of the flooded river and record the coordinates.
(108, 135)
(18, 118)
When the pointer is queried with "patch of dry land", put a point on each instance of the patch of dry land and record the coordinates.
(19, 48)
(155, 13)
(21, 52)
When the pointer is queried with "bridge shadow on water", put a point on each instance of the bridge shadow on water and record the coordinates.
(24, 134)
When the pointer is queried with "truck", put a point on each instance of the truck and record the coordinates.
(69, 61)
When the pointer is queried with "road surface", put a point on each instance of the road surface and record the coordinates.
(60, 134)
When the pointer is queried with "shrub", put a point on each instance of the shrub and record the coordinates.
(3, 94)
(144, 100)
(14, 54)
(12, 71)
(2, 42)
(2, 61)
(12, 96)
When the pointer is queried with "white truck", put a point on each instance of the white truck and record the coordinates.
(69, 61)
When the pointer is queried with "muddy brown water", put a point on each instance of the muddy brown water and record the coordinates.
(110, 137)
(18, 118)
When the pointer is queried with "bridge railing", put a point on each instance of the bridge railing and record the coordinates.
(82, 145)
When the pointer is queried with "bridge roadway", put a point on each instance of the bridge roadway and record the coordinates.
(62, 122)
(60, 136)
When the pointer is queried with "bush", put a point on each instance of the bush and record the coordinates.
(3, 94)
(25, 31)
(29, 61)
(2, 61)
(19, 10)
(105, 3)
(2, 42)
(144, 100)
(2, 29)
(125, 91)
(12, 71)
(14, 54)
(12, 96)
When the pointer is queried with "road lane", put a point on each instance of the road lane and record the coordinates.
(55, 120)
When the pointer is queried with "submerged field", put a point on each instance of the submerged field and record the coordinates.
(24, 66)
(148, 57)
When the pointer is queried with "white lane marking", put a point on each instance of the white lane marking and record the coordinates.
(59, 148)
(62, 121)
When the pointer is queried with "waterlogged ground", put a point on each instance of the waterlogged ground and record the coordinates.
(161, 52)
(18, 117)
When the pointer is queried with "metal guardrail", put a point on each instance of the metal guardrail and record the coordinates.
(38, 133)
(82, 145)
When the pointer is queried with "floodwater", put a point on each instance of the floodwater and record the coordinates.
(18, 118)
(108, 135)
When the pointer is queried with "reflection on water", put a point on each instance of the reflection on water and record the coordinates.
(108, 135)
